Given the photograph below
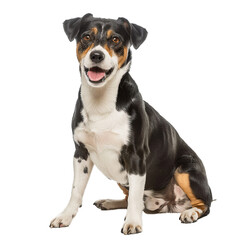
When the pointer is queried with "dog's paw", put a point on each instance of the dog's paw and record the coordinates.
(131, 228)
(191, 215)
(109, 204)
(101, 204)
(62, 220)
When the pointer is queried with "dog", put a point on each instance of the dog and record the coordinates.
(126, 138)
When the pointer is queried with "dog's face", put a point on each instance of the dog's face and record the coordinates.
(103, 45)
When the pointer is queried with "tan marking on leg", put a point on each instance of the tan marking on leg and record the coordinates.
(123, 58)
(183, 181)
(125, 191)
(81, 55)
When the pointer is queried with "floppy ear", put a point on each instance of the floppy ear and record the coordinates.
(72, 26)
(137, 34)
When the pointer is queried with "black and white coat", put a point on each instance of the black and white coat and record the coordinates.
(123, 136)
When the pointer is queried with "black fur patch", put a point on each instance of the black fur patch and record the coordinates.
(133, 156)
(77, 116)
(85, 170)
(81, 151)
(151, 146)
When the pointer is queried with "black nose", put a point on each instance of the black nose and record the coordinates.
(97, 56)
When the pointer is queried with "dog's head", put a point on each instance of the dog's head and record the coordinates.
(103, 45)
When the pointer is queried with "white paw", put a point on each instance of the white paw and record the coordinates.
(131, 227)
(191, 215)
(62, 220)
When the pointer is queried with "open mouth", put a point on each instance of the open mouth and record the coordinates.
(97, 75)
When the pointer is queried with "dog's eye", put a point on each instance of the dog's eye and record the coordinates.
(87, 37)
(116, 40)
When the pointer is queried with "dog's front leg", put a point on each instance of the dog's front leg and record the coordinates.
(82, 171)
(133, 222)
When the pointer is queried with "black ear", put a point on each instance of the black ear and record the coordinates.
(72, 26)
(137, 34)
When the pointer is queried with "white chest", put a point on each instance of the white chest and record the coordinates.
(104, 137)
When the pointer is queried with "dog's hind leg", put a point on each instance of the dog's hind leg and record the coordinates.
(109, 204)
(191, 177)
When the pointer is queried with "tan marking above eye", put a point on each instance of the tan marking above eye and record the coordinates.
(109, 33)
(95, 30)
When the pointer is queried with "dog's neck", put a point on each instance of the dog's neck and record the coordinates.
(99, 102)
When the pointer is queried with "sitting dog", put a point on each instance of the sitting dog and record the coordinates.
(126, 138)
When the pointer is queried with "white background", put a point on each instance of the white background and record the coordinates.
(188, 69)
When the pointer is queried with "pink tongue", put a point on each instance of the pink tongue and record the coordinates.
(95, 76)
